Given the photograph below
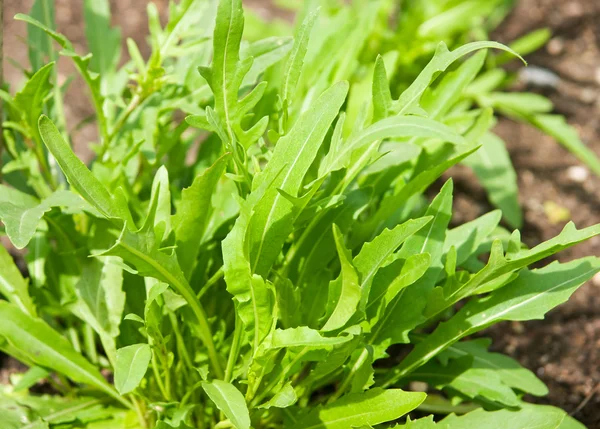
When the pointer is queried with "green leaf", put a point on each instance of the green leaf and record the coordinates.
(529, 297)
(77, 173)
(392, 127)
(227, 73)
(394, 325)
(12, 284)
(565, 134)
(494, 169)
(443, 58)
(100, 287)
(467, 237)
(132, 364)
(345, 291)
(42, 345)
(499, 265)
(370, 408)
(303, 337)
(81, 64)
(295, 152)
(462, 375)
(295, 60)
(392, 280)
(230, 401)
(104, 41)
(378, 252)
(530, 416)
(141, 249)
(39, 43)
(30, 100)
(193, 213)
(286, 397)
(22, 221)
(382, 96)
(510, 372)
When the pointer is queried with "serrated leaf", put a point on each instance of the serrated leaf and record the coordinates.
(510, 372)
(376, 253)
(392, 127)
(530, 416)
(529, 297)
(132, 364)
(193, 213)
(272, 219)
(395, 325)
(442, 59)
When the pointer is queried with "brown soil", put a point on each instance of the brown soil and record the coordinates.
(564, 349)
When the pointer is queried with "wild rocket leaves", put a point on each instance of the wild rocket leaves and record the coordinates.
(256, 272)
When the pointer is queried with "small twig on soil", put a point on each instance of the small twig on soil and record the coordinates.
(585, 400)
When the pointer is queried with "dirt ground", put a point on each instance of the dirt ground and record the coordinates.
(564, 349)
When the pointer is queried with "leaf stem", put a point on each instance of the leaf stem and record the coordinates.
(340, 391)
(133, 104)
(235, 348)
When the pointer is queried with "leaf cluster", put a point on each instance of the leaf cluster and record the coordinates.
(259, 224)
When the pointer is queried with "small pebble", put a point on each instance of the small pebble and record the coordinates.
(538, 76)
(555, 46)
(578, 173)
(596, 280)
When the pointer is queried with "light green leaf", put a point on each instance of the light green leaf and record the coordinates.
(132, 364)
(494, 169)
(42, 345)
(303, 337)
(370, 408)
(81, 64)
(345, 291)
(500, 264)
(39, 43)
(557, 127)
(463, 375)
(382, 96)
(30, 100)
(22, 221)
(530, 416)
(510, 372)
(529, 297)
(295, 152)
(443, 58)
(394, 325)
(392, 127)
(467, 237)
(193, 213)
(295, 60)
(230, 401)
(77, 173)
(104, 41)
(286, 397)
(376, 253)
(12, 284)
(100, 287)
